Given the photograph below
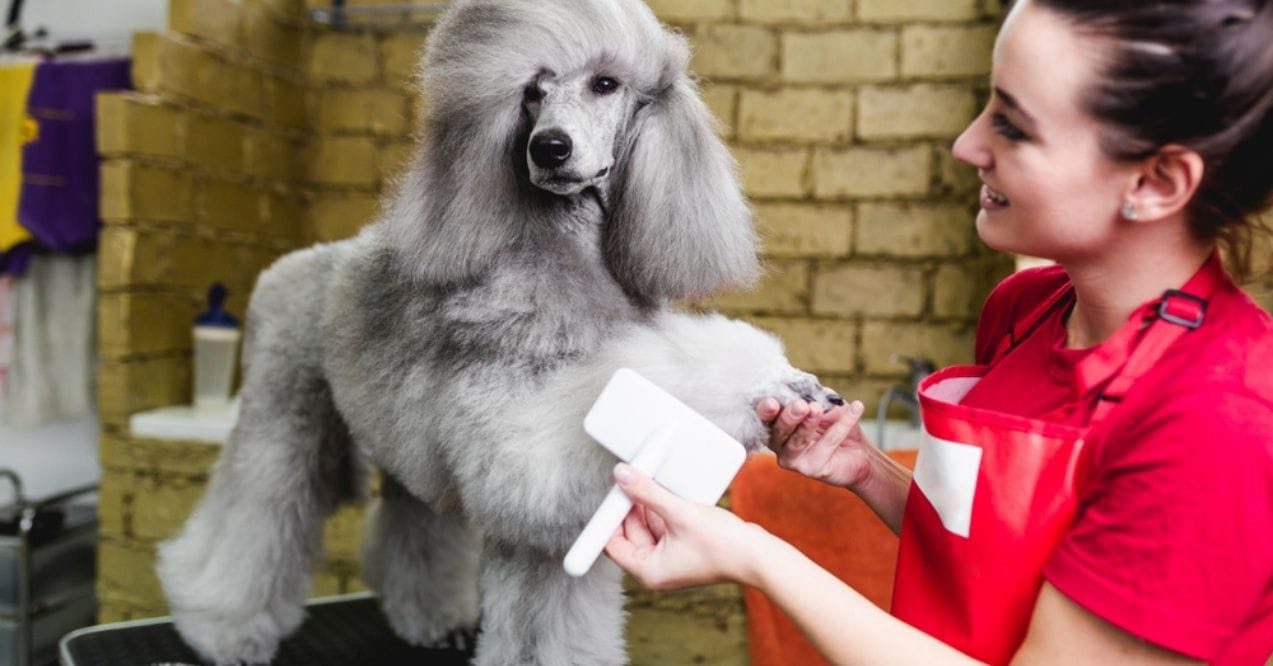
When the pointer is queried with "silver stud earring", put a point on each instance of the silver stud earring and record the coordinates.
(1129, 211)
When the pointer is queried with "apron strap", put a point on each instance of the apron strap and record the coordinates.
(1133, 350)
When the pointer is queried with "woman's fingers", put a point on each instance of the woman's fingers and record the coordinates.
(786, 423)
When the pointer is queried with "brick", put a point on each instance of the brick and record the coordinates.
(686, 11)
(135, 124)
(804, 230)
(871, 172)
(400, 55)
(130, 257)
(839, 56)
(382, 112)
(688, 628)
(215, 144)
(284, 102)
(230, 205)
(940, 50)
(784, 289)
(340, 216)
(960, 289)
(126, 572)
(800, 11)
(161, 506)
(327, 583)
(816, 345)
(337, 57)
(249, 91)
(944, 345)
(188, 460)
(217, 21)
(869, 288)
(799, 114)
(773, 172)
(271, 40)
(270, 155)
(394, 159)
(196, 262)
(167, 63)
(955, 178)
(114, 497)
(284, 216)
(167, 323)
(285, 7)
(722, 101)
(914, 111)
(343, 161)
(917, 10)
(131, 191)
(735, 52)
(126, 387)
(914, 229)
(342, 533)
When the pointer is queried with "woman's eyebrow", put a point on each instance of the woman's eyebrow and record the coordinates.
(1011, 103)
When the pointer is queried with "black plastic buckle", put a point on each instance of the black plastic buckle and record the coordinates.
(1165, 315)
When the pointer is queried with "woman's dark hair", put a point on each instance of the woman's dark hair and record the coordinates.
(1194, 73)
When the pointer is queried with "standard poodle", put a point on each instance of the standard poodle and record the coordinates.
(569, 184)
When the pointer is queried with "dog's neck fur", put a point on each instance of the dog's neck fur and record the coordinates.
(522, 311)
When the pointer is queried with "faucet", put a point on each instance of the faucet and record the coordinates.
(908, 396)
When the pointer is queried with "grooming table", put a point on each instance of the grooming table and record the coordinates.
(347, 630)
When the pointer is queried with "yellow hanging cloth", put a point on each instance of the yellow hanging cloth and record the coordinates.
(16, 129)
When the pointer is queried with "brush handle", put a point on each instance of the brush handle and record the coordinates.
(596, 534)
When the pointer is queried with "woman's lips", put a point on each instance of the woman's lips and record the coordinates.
(992, 200)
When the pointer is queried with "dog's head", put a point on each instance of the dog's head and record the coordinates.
(531, 103)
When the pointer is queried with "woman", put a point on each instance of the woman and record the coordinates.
(1119, 427)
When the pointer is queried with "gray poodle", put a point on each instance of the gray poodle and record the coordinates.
(569, 184)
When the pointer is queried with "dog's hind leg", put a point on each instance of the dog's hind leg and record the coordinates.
(534, 614)
(237, 576)
(422, 565)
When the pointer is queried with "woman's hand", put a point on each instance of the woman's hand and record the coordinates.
(669, 543)
(829, 447)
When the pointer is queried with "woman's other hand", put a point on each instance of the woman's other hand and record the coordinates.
(827, 446)
(668, 542)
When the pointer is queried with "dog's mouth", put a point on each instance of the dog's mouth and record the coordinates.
(566, 184)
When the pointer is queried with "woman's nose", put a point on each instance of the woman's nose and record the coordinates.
(972, 148)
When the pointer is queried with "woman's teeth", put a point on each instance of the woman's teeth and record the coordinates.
(996, 197)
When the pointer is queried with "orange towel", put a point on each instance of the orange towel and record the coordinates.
(830, 525)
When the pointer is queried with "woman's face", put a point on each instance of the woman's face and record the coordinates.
(1048, 190)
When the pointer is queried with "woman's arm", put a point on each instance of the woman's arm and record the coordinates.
(831, 447)
(670, 543)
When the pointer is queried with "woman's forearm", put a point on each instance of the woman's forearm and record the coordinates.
(885, 488)
(842, 624)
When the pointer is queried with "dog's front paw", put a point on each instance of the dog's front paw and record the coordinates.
(799, 385)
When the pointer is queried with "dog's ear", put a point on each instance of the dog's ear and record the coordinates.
(678, 223)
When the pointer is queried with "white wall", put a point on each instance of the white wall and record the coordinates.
(108, 22)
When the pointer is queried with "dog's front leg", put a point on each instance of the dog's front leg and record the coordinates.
(534, 614)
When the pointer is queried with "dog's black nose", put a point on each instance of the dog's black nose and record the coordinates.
(550, 149)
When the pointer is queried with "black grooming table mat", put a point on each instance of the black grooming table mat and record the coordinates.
(338, 631)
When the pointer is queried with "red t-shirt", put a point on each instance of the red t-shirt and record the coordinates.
(1173, 541)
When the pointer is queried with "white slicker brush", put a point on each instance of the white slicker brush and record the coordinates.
(654, 432)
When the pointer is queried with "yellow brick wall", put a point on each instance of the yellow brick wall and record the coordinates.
(254, 131)
(841, 114)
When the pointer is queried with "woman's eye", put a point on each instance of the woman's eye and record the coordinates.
(604, 85)
(1005, 127)
(533, 93)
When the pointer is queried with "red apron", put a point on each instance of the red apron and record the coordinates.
(993, 493)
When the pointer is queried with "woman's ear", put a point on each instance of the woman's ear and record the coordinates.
(1165, 183)
(678, 225)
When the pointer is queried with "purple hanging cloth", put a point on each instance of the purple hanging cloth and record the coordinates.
(58, 203)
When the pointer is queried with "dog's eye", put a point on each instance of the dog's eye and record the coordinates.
(604, 85)
(533, 93)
